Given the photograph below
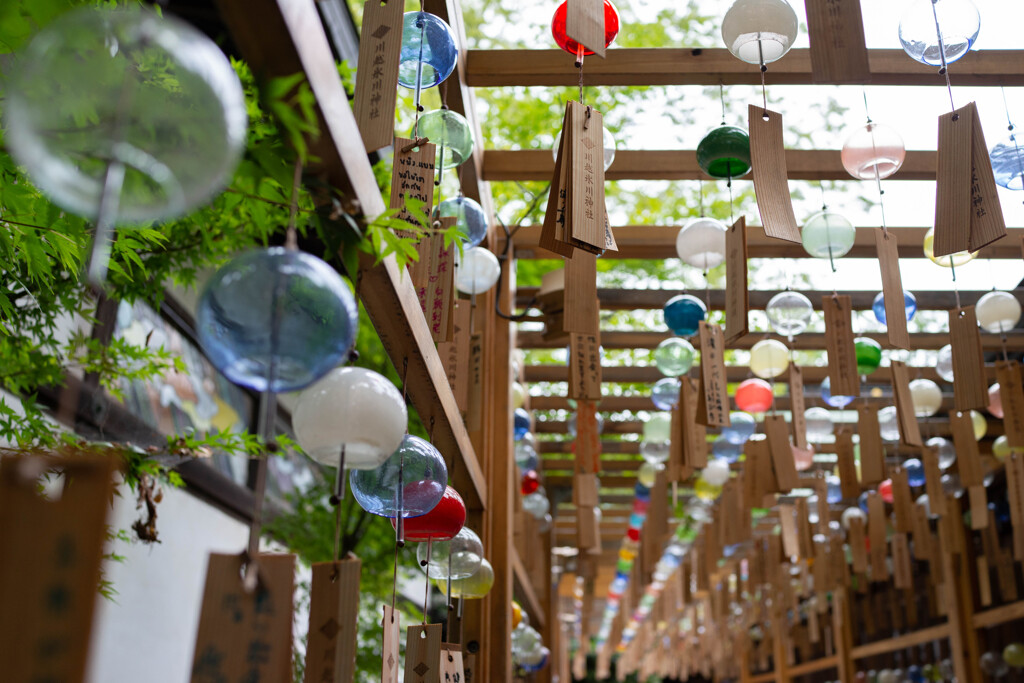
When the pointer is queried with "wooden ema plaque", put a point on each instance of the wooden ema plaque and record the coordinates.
(902, 503)
(968, 458)
(451, 664)
(970, 390)
(771, 178)
(713, 401)
(872, 452)
(423, 654)
(1015, 494)
(901, 573)
(413, 176)
(433, 279)
(52, 551)
(390, 664)
(737, 297)
(555, 212)
(242, 635)
(1011, 392)
(380, 47)
(333, 612)
(892, 289)
(848, 483)
(588, 439)
(838, 51)
(910, 431)
(581, 310)
(781, 451)
(695, 454)
(584, 23)
(842, 357)
(968, 215)
(796, 403)
(585, 367)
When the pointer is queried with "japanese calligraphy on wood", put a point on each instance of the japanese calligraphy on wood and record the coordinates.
(423, 654)
(451, 664)
(333, 612)
(585, 367)
(242, 635)
(771, 185)
(737, 297)
(552, 236)
(432, 277)
(970, 390)
(380, 46)
(842, 357)
(52, 551)
(412, 176)
(838, 52)
(455, 353)
(713, 402)
(585, 201)
(796, 403)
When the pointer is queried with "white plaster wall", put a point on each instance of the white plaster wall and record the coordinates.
(148, 633)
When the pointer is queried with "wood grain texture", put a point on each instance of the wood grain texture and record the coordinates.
(953, 182)
(713, 401)
(970, 387)
(768, 164)
(872, 452)
(585, 205)
(910, 431)
(781, 452)
(423, 654)
(886, 246)
(584, 23)
(582, 308)
(796, 406)
(377, 72)
(333, 621)
(987, 222)
(1011, 393)
(836, 32)
(737, 300)
(842, 356)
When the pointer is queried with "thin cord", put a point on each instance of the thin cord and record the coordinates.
(700, 190)
(728, 183)
(721, 96)
(1013, 138)
(764, 68)
(426, 590)
(942, 57)
(874, 151)
(579, 65)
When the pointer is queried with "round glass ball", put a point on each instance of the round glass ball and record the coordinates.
(450, 132)
(647, 474)
(888, 423)
(441, 523)
(716, 472)
(789, 313)
(537, 504)
(938, 32)
(701, 243)
(769, 358)
(466, 551)
(655, 452)
(151, 94)
(665, 393)
(851, 513)
(944, 449)
(472, 587)
(741, 427)
(276, 319)
(1007, 159)
(915, 471)
(909, 306)
(429, 52)
(476, 271)
(819, 424)
(521, 423)
(829, 399)
(724, 152)
(869, 354)
(562, 39)
(926, 397)
(526, 456)
(944, 363)
(960, 258)
(408, 484)
(657, 428)
(754, 396)
(759, 31)
(674, 357)
(1013, 654)
(833, 489)
(828, 235)
(726, 450)
(684, 313)
(992, 664)
(529, 483)
(998, 312)
(873, 151)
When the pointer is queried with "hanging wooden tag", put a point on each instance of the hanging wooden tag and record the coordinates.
(970, 390)
(933, 481)
(848, 484)
(695, 454)
(582, 307)
(584, 490)
(587, 535)
(1011, 392)
(821, 489)
(588, 439)
(902, 503)
(842, 357)
(451, 664)
(858, 546)
(245, 635)
(423, 654)
(1015, 494)
(872, 452)
(552, 235)
(333, 612)
(968, 215)
(475, 384)
(585, 197)
(838, 51)
(921, 532)
(432, 277)
(676, 461)
(390, 663)
(584, 23)
(737, 296)
(585, 367)
(978, 500)
(984, 581)
(455, 352)
(968, 459)
(886, 246)
(412, 176)
(713, 402)
(803, 530)
(876, 533)
(901, 573)
(609, 235)
(51, 564)
(910, 431)
(782, 452)
(796, 406)
(771, 178)
(760, 462)
(380, 47)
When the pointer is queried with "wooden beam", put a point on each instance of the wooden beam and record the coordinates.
(280, 38)
(612, 404)
(808, 341)
(523, 590)
(813, 666)
(712, 66)
(903, 642)
(680, 164)
(653, 299)
(658, 242)
(999, 615)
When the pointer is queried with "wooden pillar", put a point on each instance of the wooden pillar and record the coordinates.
(842, 629)
(780, 651)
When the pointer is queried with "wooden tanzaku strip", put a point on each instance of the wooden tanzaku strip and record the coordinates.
(674, 465)
(423, 654)
(737, 295)
(1011, 392)
(968, 458)
(781, 452)
(953, 182)
(922, 533)
(933, 481)
(587, 535)
(910, 431)
(713, 402)
(333, 623)
(903, 505)
(413, 176)
(848, 483)
(796, 406)
(787, 523)
(987, 221)
(380, 47)
(695, 454)
(842, 357)
(876, 533)
(872, 452)
(554, 213)
(452, 670)
(454, 354)
(588, 439)
(582, 308)
(978, 501)
(886, 246)
(771, 185)
(584, 23)
(902, 577)
(858, 545)
(433, 277)
(970, 389)
(803, 530)
(586, 207)
(836, 32)
(585, 367)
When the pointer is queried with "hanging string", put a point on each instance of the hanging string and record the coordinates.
(426, 589)
(944, 70)
(339, 489)
(721, 96)
(874, 151)
(579, 65)
(764, 68)
(956, 289)
(700, 192)
(728, 184)
(1013, 138)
